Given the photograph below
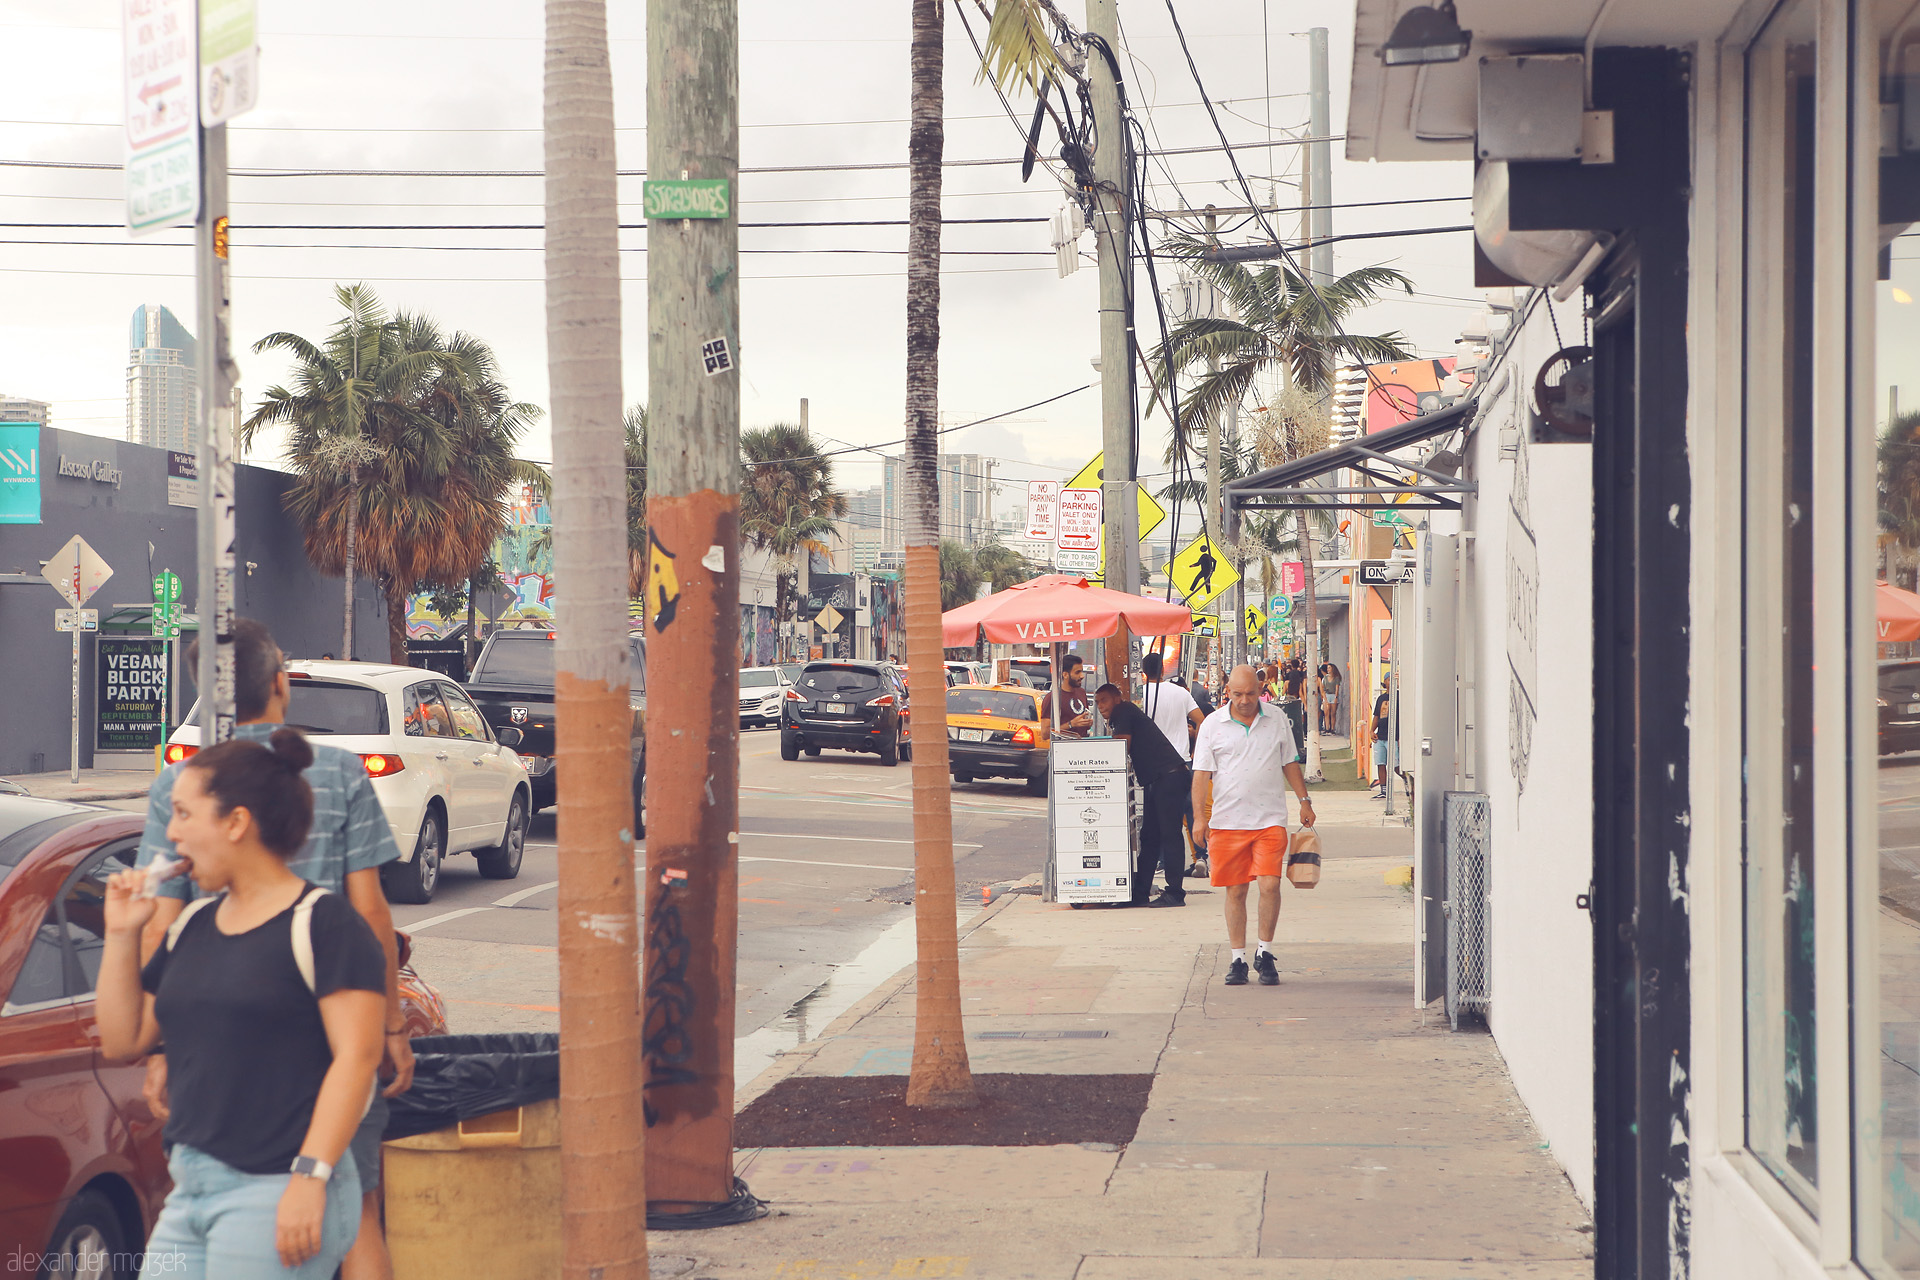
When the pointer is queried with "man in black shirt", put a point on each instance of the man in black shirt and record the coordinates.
(1164, 775)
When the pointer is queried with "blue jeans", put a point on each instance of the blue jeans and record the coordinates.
(219, 1223)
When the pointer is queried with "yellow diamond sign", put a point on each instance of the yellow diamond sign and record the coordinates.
(1200, 572)
(1256, 624)
(1152, 514)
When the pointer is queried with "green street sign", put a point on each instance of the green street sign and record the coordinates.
(166, 587)
(688, 198)
(1386, 518)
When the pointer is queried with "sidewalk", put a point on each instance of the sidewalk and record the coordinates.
(1321, 1129)
(94, 784)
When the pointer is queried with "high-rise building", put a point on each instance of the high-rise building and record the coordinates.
(160, 381)
(867, 507)
(21, 409)
(966, 499)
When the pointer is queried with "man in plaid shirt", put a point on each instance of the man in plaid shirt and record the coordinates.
(349, 842)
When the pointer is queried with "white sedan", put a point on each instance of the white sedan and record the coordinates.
(446, 783)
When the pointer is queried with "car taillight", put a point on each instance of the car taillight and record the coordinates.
(884, 700)
(178, 751)
(1023, 736)
(379, 765)
(793, 695)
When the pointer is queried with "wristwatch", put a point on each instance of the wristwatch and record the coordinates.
(309, 1167)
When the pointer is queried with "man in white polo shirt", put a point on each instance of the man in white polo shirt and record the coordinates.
(1244, 763)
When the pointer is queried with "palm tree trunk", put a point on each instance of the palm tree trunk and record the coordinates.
(941, 1076)
(1314, 773)
(397, 598)
(353, 531)
(602, 1125)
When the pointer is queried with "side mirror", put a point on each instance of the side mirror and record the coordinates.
(509, 736)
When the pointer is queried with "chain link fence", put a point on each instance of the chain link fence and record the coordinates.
(1469, 890)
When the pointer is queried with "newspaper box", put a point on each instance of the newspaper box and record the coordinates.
(1092, 818)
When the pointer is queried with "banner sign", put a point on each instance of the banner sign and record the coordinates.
(1043, 497)
(19, 473)
(183, 479)
(132, 680)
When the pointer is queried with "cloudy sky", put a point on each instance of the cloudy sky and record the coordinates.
(436, 85)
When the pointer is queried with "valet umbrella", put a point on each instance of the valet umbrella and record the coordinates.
(1059, 608)
(1898, 613)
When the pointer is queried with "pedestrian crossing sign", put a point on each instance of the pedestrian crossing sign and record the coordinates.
(1200, 572)
(1256, 624)
(1205, 624)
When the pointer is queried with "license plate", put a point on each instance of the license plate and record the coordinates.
(973, 735)
(1913, 708)
(836, 709)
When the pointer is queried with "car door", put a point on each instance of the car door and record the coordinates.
(483, 777)
(430, 743)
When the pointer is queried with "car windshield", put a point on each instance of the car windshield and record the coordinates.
(1038, 674)
(760, 678)
(972, 700)
(25, 822)
(839, 679)
(321, 706)
(790, 672)
(518, 661)
(1901, 681)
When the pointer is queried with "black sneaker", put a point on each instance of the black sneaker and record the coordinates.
(1168, 900)
(1269, 972)
(1237, 974)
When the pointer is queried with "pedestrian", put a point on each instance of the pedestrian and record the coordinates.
(1243, 762)
(1158, 769)
(1293, 678)
(1201, 698)
(1178, 715)
(1329, 698)
(270, 997)
(347, 844)
(1382, 726)
(1076, 708)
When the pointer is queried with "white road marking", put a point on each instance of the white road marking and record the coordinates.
(810, 862)
(515, 899)
(431, 921)
(837, 839)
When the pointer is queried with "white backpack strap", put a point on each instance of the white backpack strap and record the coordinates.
(186, 914)
(303, 936)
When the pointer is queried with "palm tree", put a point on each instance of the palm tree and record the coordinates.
(787, 501)
(635, 426)
(602, 1107)
(959, 574)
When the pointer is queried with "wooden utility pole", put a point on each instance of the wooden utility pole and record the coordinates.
(941, 1075)
(602, 1130)
(216, 375)
(693, 547)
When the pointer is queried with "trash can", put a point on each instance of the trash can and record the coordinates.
(471, 1172)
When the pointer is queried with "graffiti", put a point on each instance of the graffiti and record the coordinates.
(662, 583)
(667, 1039)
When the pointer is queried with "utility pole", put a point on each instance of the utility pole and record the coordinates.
(604, 1179)
(693, 518)
(215, 374)
(1121, 514)
(1319, 164)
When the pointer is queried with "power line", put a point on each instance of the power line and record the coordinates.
(487, 226)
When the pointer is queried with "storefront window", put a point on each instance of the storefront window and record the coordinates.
(1779, 882)
(1889, 1093)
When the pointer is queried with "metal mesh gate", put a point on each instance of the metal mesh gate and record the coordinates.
(1469, 886)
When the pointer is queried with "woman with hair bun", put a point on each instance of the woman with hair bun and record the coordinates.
(271, 995)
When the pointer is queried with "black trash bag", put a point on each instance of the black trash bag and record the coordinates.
(459, 1077)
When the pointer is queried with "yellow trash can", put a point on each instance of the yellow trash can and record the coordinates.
(479, 1199)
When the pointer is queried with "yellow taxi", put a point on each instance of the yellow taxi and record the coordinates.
(997, 731)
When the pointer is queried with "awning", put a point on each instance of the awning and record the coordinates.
(1290, 486)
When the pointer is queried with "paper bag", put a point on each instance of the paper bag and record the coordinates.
(1303, 858)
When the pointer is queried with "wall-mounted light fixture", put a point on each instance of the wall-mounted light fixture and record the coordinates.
(1426, 33)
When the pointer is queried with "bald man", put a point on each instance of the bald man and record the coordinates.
(1244, 762)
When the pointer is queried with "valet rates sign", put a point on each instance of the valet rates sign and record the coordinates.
(132, 676)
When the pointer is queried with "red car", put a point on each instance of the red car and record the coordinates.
(82, 1174)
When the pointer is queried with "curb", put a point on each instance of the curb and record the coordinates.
(91, 797)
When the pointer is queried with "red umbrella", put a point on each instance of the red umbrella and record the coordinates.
(1060, 607)
(1898, 613)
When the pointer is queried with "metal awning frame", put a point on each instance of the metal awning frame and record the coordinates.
(1432, 490)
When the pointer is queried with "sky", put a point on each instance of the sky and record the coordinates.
(439, 85)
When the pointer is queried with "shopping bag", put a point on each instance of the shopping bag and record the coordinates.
(1303, 858)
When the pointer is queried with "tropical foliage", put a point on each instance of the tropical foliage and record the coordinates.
(787, 502)
(964, 570)
(401, 439)
(635, 424)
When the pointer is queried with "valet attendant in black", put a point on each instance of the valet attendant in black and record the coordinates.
(1164, 775)
(271, 997)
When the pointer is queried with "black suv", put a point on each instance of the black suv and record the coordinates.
(849, 706)
(1899, 706)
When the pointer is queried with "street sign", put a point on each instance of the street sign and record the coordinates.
(1078, 561)
(1256, 624)
(1151, 513)
(229, 59)
(166, 605)
(697, 198)
(1043, 510)
(1280, 606)
(162, 84)
(76, 619)
(1293, 577)
(829, 618)
(1387, 518)
(1079, 520)
(1200, 572)
(1205, 624)
(76, 571)
(1284, 631)
(1386, 573)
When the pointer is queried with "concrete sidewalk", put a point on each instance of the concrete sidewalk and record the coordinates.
(1324, 1128)
(94, 784)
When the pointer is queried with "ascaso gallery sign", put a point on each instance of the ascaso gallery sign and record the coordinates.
(19, 473)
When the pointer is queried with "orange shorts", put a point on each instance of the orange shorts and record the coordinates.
(1240, 857)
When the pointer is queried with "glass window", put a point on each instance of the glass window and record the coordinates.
(839, 679)
(972, 700)
(759, 678)
(468, 723)
(1779, 881)
(637, 664)
(526, 659)
(426, 713)
(44, 975)
(325, 707)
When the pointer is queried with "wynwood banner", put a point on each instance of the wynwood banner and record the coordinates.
(19, 473)
(131, 674)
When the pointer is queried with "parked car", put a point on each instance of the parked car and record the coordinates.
(1038, 671)
(762, 689)
(448, 781)
(1899, 703)
(8, 787)
(512, 683)
(997, 731)
(790, 671)
(963, 673)
(848, 706)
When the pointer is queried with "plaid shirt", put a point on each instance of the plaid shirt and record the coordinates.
(350, 831)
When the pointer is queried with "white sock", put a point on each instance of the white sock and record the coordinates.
(1265, 947)
(1240, 955)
